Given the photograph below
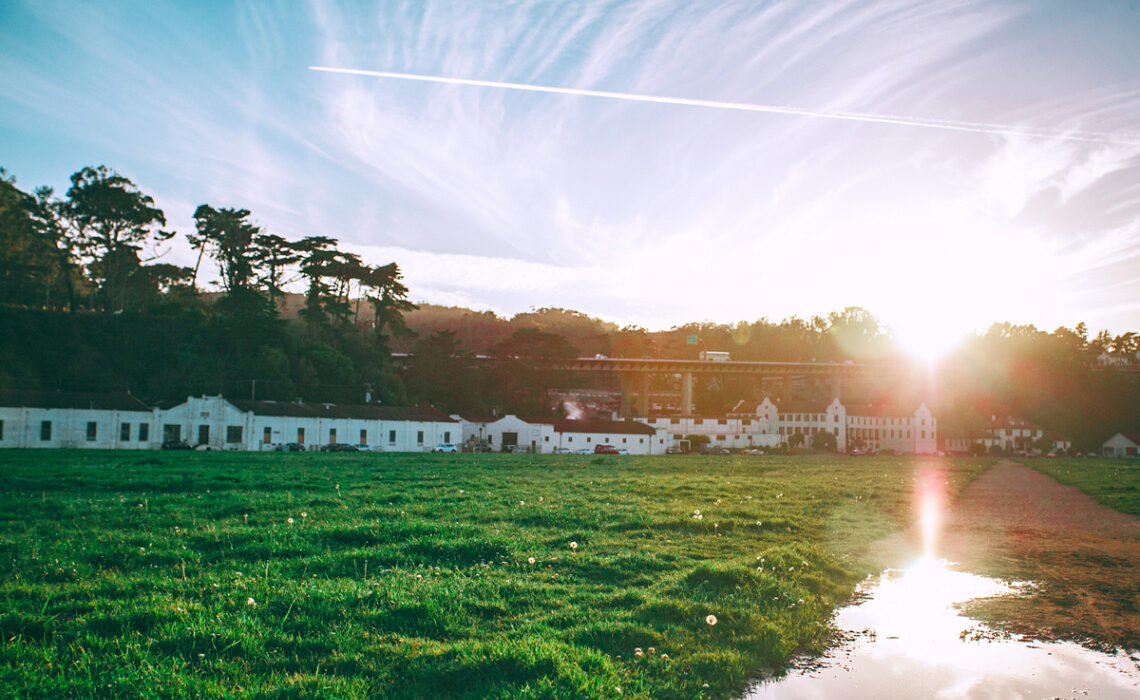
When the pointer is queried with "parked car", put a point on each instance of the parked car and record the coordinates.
(562, 451)
(674, 451)
(445, 447)
(290, 447)
(517, 449)
(605, 450)
(338, 447)
(584, 451)
(622, 451)
(365, 448)
(176, 445)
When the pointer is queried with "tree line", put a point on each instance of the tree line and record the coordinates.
(86, 302)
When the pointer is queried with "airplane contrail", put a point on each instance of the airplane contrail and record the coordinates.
(972, 127)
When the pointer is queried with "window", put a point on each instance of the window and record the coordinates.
(746, 421)
(641, 441)
(92, 431)
(419, 437)
(722, 421)
(1, 430)
(922, 434)
(363, 437)
(300, 436)
(570, 439)
(267, 435)
(675, 421)
(678, 436)
(45, 430)
(144, 432)
(125, 432)
(391, 437)
(588, 438)
(721, 437)
(447, 437)
(233, 433)
(171, 432)
(835, 418)
(546, 439)
(332, 435)
(623, 441)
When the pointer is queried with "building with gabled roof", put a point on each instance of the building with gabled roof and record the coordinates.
(1122, 445)
(121, 421)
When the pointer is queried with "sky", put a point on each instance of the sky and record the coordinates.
(641, 213)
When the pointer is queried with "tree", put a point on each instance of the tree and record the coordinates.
(29, 266)
(440, 374)
(228, 236)
(272, 255)
(824, 441)
(795, 440)
(526, 372)
(110, 221)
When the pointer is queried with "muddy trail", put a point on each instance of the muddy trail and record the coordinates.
(1015, 523)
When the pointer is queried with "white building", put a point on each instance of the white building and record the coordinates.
(1010, 434)
(1122, 445)
(117, 420)
(766, 423)
(120, 421)
(545, 435)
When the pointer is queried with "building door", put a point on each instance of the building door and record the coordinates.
(171, 432)
(203, 434)
(510, 440)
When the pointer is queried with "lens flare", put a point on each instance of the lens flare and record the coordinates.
(930, 517)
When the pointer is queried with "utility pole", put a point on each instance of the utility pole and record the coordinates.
(253, 390)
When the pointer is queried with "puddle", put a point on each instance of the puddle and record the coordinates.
(907, 640)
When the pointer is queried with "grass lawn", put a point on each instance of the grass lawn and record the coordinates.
(430, 575)
(1113, 482)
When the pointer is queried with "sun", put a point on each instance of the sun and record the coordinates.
(927, 338)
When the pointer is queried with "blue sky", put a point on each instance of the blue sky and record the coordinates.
(641, 213)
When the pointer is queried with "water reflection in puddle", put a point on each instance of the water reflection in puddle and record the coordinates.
(906, 640)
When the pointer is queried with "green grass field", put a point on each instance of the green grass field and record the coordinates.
(430, 575)
(1113, 482)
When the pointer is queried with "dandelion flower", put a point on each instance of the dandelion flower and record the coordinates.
(530, 561)
(290, 521)
(651, 650)
(711, 619)
(304, 514)
(573, 545)
(251, 602)
(697, 511)
(665, 656)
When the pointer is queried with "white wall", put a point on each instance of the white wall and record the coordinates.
(22, 428)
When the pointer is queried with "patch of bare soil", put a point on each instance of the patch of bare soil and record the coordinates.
(1018, 524)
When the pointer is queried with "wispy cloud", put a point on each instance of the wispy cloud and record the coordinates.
(646, 213)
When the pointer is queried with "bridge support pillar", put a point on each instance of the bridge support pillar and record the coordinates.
(687, 393)
(643, 398)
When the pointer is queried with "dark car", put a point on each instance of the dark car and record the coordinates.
(339, 447)
(290, 447)
(605, 450)
(176, 445)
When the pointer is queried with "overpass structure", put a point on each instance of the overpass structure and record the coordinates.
(641, 369)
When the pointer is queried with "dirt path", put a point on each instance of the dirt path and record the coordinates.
(1016, 523)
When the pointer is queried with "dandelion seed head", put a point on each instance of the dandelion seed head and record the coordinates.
(530, 560)
(711, 620)
(573, 545)
(251, 602)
